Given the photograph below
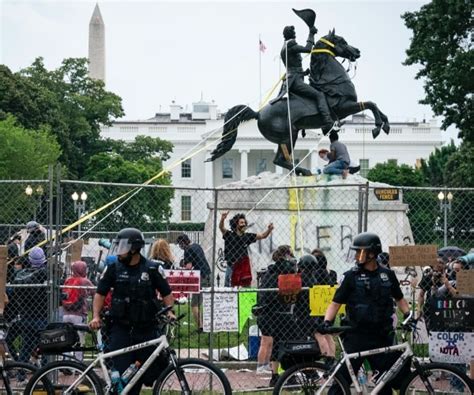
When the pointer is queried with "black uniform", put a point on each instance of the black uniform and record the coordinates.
(133, 309)
(368, 296)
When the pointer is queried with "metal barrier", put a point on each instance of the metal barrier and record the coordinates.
(306, 217)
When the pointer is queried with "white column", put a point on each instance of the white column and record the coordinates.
(209, 172)
(313, 161)
(244, 163)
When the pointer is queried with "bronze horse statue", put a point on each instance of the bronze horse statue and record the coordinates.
(327, 75)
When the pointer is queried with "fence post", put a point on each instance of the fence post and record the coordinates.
(360, 210)
(213, 271)
(366, 207)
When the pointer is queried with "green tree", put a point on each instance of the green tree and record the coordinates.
(434, 168)
(68, 101)
(134, 163)
(394, 174)
(24, 154)
(443, 48)
(459, 168)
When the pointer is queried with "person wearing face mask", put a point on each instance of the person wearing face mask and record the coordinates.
(368, 291)
(236, 242)
(135, 281)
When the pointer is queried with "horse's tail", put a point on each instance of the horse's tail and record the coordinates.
(234, 117)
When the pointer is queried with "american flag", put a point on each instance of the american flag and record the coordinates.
(262, 46)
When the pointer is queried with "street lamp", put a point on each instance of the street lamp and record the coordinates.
(79, 206)
(30, 192)
(445, 205)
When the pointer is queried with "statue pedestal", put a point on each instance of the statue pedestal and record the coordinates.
(326, 212)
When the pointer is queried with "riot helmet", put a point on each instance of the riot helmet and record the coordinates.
(126, 241)
(308, 262)
(364, 244)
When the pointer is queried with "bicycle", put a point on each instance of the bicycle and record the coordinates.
(188, 376)
(425, 378)
(14, 375)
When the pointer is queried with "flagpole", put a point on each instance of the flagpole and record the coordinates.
(260, 68)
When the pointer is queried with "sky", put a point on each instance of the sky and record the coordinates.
(160, 51)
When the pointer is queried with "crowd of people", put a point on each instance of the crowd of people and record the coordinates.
(132, 288)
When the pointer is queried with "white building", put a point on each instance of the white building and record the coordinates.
(252, 154)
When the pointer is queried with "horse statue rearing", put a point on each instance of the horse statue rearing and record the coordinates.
(327, 75)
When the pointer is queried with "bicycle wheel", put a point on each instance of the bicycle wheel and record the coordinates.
(202, 377)
(307, 378)
(15, 376)
(442, 378)
(57, 377)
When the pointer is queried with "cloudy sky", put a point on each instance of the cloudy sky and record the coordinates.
(159, 51)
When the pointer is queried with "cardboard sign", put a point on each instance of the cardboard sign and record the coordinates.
(386, 193)
(75, 251)
(451, 314)
(320, 296)
(465, 282)
(420, 255)
(225, 312)
(184, 281)
(451, 347)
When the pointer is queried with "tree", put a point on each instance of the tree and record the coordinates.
(394, 174)
(24, 154)
(459, 168)
(134, 163)
(442, 45)
(68, 101)
(434, 168)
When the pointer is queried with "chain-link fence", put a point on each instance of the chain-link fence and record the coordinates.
(224, 323)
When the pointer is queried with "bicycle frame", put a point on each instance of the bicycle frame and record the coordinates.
(161, 342)
(386, 376)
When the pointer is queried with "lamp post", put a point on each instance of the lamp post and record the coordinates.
(79, 206)
(445, 205)
(30, 192)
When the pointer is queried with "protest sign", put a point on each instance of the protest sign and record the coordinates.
(419, 255)
(183, 282)
(451, 347)
(320, 296)
(452, 314)
(225, 312)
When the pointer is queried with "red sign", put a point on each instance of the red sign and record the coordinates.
(183, 282)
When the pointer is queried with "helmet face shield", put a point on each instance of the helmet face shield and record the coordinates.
(357, 255)
(120, 247)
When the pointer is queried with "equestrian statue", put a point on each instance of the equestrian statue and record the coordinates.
(329, 98)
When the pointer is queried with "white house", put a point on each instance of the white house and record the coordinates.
(197, 133)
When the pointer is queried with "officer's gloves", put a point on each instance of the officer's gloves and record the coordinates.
(325, 327)
(409, 322)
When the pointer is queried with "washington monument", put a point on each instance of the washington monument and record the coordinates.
(97, 45)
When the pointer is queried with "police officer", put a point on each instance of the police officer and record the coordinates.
(368, 291)
(134, 280)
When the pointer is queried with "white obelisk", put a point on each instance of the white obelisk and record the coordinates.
(97, 45)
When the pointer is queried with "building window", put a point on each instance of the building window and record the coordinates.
(186, 169)
(261, 165)
(364, 167)
(392, 162)
(185, 208)
(227, 168)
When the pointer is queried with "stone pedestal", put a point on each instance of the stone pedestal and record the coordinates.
(323, 212)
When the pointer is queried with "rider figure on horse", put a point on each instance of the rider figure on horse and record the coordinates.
(291, 57)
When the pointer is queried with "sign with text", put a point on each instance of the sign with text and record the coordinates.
(225, 312)
(451, 347)
(465, 282)
(451, 314)
(320, 296)
(386, 193)
(419, 255)
(184, 282)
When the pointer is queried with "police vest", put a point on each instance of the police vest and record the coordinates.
(134, 298)
(370, 306)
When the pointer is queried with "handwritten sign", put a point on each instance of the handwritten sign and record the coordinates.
(184, 281)
(386, 193)
(465, 282)
(451, 347)
(419, 255)
(320, 296)
(246, 301)
(452, 314)
(225, 312)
